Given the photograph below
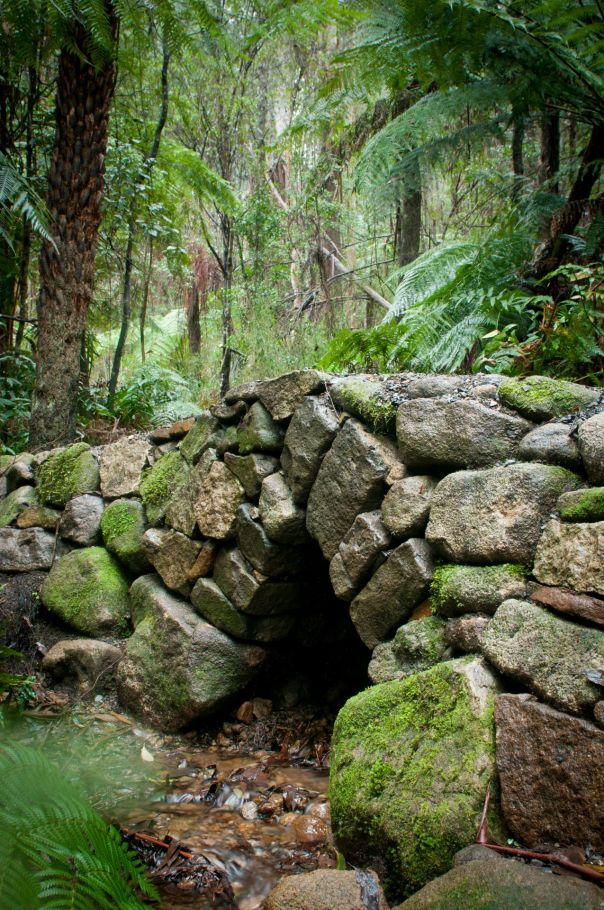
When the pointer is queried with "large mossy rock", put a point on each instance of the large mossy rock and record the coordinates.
(88, 590)
(160, 484)
(411, 763)
(366, 397)
(177, 667)
(503, 884)
(67, 474)
(541, 397)
(122, 526)
(456, 590)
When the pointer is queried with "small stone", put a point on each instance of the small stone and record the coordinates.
(564, 601)
(310, 830)
(466, 633)
(572, 555)
(537, 744)
(122, 526)
(383, 666)
(160, 435)
(546, 653)
(599, 713)
(20, 471)
(283, 395)
(15, 503)
(406, 507)
(582, 505)
(397, 587)
(456, 590)
(203, 435)
(251, 470)
(541, 397)
(39, 517)
(211, 603)
(309, 435)
(81, 520)
(433, 432)
(121, 466)
(327, 889)
(91, 662)
(283, 520)
(552, 443)
(262, 707)
(229, 413)
(258, 432)
(220, 496)
(419, 644)
(26, 550)
(180, 428)
(204, 564)
(251, 592)
(591, 446)
(66, 474)
(245, 712)
(173, 555)
(358, 553)
(266, 557)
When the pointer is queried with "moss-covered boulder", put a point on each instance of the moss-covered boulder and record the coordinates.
(177, 667)
(88, 590)
(122, 526)
(205, 433)
(160, 483)
(456, 590)
(582, 505)
(411, 763)
(16, 502)
(366, 397)
(67, 474)
(418, 645)
(541, 398)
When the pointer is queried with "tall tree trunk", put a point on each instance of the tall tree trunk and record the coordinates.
(227, 317)
(146, 171)
(517, 156)
(192, 310)
(409, 217)
(549, 163)
(29, 172)
(75, 182)
(145, 301)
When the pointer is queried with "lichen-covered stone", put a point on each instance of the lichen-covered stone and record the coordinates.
(537, 744)
(26, 550)
(495, 515)
(367, 398)
(173, 555)
(541, 397)
(15, 503)
(502, 884)
(220, 496)
(309, 435)
(81, 521)
(283, 520)
(266, 557)
(204, 564)
(582, 505)
(121, 466)
(249, 590)
(228, 441)
(327, 889)
(91, 662)
(66, 474)
(572, 555)
(204, 434)
(251, 470)
(393, 592)
(419, 644)
(465, 633)
(160, 483)
(456, 590)
(351, 480)
(88, 590)
(258, 432)
(210, 601)
(357, 555)
(180, 511)
(552, 443)
(383, 666)
(591, 446)
(176, 667)
(546, 653)
(406, 506)
(39, 517)
(433, 432)
(282, 395)
(122, 526)
(229, 413)
(411, 762)
(20, 471)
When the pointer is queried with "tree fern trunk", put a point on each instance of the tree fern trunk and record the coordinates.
(75, 189)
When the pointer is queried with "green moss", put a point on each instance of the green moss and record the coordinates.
(361, 398)
(203, 434)
(410, 765)
(419, 644)
(160, 483)
(541, 398)
(122, 527)
(67, 474)
(89, 591)
(582, 505)
(457, 589)
(15, 503)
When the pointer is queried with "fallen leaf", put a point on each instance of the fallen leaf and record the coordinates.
(146, 755)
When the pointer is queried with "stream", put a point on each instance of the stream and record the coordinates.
(247, 814)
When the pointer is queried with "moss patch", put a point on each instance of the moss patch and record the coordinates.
(411, 761)
(456, 590)
(541, 398)
(582, 505)
(160, 483)
(67, 474)
(203, 434)
(122, 527)
(361, 398)
(15, 503)
(88, 590)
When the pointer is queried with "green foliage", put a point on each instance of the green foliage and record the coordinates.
(18, 200)
(363, 350)
(17, 372)
(55, 850)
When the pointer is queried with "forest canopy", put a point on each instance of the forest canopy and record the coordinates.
(193, 194)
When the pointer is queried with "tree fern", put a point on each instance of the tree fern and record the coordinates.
(56, 852)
